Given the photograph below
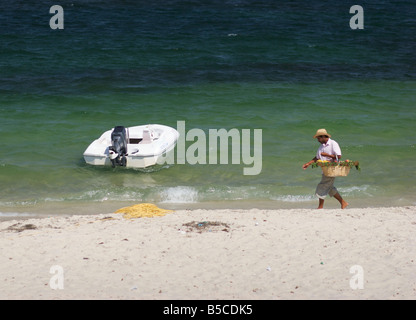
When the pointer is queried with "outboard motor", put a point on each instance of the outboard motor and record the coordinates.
(118, 149)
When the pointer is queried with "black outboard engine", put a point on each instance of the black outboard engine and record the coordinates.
(118, 149)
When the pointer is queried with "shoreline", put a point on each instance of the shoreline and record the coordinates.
(58, 208)
(243, 254)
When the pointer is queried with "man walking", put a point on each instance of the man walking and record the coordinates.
(329, 150)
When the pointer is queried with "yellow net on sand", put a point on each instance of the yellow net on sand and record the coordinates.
(143, 210)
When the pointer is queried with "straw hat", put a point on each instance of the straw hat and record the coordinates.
(321, 132)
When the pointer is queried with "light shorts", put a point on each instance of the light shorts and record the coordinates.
(325, 187)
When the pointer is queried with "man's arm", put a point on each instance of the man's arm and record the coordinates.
(333, 156)
(307, 164)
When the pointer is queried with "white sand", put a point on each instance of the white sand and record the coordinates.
(266, 254)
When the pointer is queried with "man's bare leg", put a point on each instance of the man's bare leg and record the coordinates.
(343, 203)
(321, 203)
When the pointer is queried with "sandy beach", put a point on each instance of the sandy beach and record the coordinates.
(213, 254)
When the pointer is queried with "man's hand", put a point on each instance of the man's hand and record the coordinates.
(306, 165)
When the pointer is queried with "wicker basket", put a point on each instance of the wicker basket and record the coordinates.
(336, 171)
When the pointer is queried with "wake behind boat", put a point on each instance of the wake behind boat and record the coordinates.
(133, 147)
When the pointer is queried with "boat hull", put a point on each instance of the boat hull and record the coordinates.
(139, 154)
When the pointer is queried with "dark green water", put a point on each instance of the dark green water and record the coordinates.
(287, 68)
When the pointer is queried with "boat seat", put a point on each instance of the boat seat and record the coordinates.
(147, 137)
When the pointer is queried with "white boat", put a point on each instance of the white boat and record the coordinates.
(133, 147)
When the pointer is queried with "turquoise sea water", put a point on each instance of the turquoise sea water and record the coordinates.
(287, 68)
